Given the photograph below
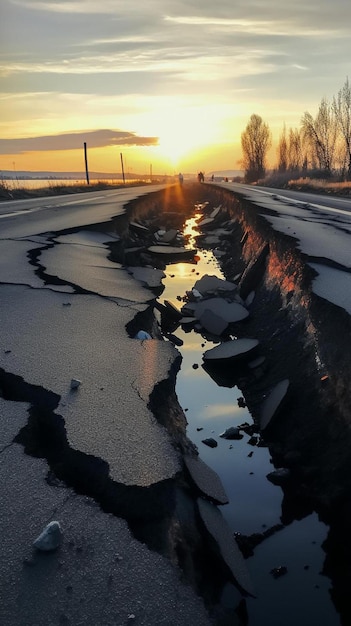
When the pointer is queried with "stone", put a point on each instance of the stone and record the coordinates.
(50, 538)
(277, 572)
(232, 433)
(210, 442)
(75, 383)
(279, 476)
(142, 334)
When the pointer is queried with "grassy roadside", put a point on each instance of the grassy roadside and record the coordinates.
(8, 191)
(309, 185)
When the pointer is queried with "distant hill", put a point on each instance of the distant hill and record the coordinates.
(225, 173)
(46, 175)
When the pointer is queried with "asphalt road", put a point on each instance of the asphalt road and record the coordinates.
(21, 218)
(324, 202)
(64, 308)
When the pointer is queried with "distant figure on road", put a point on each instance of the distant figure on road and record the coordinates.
(200, 177)
(180, 178)
(212, 177)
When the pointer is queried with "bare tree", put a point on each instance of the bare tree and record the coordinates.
(255, 142)
(282, 151)
(295, 158)
(320, 134)
(342, 111)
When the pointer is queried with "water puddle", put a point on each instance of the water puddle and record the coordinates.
(255, 504)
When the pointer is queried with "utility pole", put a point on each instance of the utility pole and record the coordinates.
(150, 172)
(124, 180)
(86, 163)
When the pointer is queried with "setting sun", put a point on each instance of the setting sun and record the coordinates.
(181, 133)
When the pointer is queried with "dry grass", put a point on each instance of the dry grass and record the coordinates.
(12, 189)
(321, 186)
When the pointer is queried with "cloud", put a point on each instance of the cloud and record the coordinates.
(74, 141)
(77, 6)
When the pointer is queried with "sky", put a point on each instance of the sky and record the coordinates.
(169, 84)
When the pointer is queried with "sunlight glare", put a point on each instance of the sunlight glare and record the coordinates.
(181, 133)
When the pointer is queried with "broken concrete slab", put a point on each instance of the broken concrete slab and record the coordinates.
(213, 323)
(88, 238)
(169, 236)
(273, 403)
(215, 211)
(172, 310)
(15, 267)
(210, 282)
(139, 228)
(206, 479)
(227, 547)
(187, 320)
(234, 349)
(89, 269)
(147, 275)
(108, 417)
(210, 240)
(254, 272)
(166, 251)
(205, 222)
(228, 311)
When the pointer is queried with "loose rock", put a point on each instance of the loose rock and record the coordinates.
(212, 443)
(232, 433)
(50, 538)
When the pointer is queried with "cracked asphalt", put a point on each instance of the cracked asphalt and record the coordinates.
(64, 311)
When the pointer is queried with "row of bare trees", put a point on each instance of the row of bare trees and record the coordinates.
(322, 143)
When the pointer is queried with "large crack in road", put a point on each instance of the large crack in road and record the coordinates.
(302, 337)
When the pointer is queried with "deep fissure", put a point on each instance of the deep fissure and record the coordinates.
(311, 420)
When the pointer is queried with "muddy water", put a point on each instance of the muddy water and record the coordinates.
(301, 596)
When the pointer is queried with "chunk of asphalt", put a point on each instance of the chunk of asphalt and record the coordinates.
(234, 349)
(209, 282)
(226, 545)
(213, 323)
(273, 403)
(206, 479)
(169, 236)
(229, 311)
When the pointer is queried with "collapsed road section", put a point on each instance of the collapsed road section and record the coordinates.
(142, 535)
